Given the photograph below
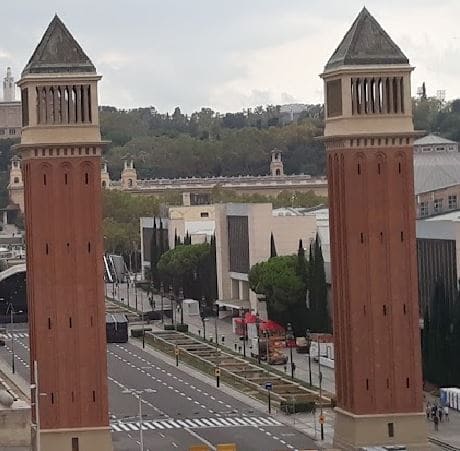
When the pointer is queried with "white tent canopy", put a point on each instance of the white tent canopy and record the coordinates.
(191, 307)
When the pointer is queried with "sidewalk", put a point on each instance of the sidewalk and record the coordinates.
(224, 329)
(448, 431)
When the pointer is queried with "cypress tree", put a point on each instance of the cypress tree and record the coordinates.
(272, 246)
(323, 318)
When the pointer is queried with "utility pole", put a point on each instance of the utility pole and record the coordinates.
(321, 417)
(37, 412)
(141, 433)
(12, 335)
(162, 293)
(143, 326)
(215, 324)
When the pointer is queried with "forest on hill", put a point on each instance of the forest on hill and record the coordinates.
(207, 143)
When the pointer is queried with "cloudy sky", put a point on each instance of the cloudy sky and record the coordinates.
(229, 55)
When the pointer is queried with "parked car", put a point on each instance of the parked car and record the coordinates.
(302, 345)
(276, 358)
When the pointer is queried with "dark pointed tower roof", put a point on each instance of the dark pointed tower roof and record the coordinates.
(366, 43)
(58, 51)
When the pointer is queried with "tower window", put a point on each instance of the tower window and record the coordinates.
(359, 169)
(86, 178)
(402, 236)
(362, 237)
(89, 247)
(65, 179)
(49, 323)
(404, 309)
(378, 168)
(334, 98)
(388, 383)
(391, 430)
(399, 168)
(75, 444)
(52, 398)
(25, 107)
(91, 321)
(367, 384)
(94, 396)
(381, 237)
(70, 322)
(16, 180)
(407, 382)
(364, 310)
(44, 179)
(384, 308)
(46, 249)
(73, 397)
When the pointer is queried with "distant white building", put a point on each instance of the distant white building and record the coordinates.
(433, 143)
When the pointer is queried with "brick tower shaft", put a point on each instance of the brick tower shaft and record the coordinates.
(61, 158)
(369, 136)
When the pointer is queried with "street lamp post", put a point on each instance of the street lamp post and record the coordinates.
(12, 335)
(171, 295)
(181, 305)
(244, 336)
(215, 325)
(127, 289)
(162, 293)
(143, 325)
(320, 392)
(37, 395)
(258, 338)
(290, 336)
(137, 394)
(309, 355)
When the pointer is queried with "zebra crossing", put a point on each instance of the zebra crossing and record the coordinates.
(17, 334)
(195, 423)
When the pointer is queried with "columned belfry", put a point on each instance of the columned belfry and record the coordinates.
(369, 136)
(61, 161)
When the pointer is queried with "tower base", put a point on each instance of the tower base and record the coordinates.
(99, 439)
(353, 432)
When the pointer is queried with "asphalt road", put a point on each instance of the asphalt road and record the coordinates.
(179, 410)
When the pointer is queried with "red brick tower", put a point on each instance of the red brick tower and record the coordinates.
(369, 135)
(61, 153)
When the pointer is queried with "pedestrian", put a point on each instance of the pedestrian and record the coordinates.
(440, 412)
(446, 412)
(428, 411)
(436, 422)
(293, 368)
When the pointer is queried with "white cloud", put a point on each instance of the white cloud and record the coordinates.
(231, 55)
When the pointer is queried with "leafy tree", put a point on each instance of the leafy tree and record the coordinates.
(278, 280)
(185, 267)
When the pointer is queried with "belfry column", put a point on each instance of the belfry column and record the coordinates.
(369, 136)
(61, 158)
